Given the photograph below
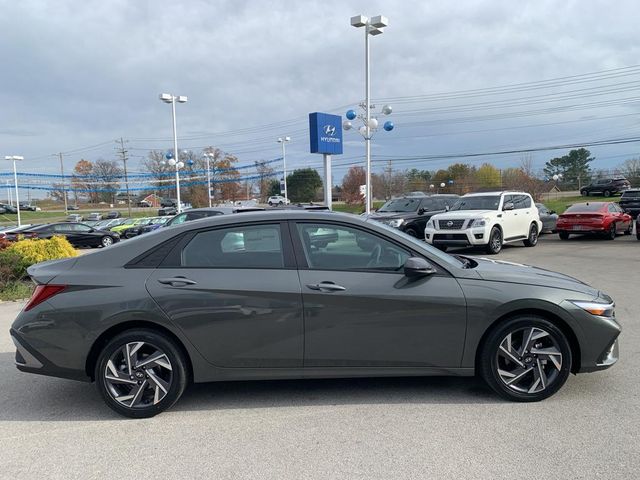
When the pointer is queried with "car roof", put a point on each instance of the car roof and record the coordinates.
(502, 192)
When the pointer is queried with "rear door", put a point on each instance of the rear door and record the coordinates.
(235, 293)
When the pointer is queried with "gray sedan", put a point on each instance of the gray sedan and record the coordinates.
(297, 294)
(549, 218)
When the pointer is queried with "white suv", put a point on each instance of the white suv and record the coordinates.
(488, 219)
(278, 200)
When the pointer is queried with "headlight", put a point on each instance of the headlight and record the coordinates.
(430, 224)
(479, 222)
(396, 222)
(596, 308)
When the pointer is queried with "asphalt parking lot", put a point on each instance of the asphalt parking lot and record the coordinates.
(344, 429)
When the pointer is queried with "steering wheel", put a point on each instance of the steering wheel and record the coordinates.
(376, 255)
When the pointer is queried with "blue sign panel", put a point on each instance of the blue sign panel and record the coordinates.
(325, 132)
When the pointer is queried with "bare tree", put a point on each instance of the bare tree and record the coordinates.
(631, 169)
(107, 177)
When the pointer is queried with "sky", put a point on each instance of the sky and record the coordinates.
(462, 77)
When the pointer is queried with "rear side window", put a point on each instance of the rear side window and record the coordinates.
(521, 201)
(251, 246)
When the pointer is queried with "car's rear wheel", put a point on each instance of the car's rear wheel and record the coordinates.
(607, 193)
(271, 204)
(412, 232)
(532, 239)
(525, 359)
(563, 235)
(495, 241)
(629, 230)
(141, 373)
(106, 241)
(611, 233)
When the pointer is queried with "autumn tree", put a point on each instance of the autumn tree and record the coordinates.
(264, 171)
(488, 176)
(351, 182)
(83, 183)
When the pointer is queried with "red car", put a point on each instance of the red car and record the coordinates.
(604, 218)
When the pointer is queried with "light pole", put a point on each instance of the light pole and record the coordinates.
(13, 158)
(172, 99)
(283, 141)
(209, 156)
(373, 26)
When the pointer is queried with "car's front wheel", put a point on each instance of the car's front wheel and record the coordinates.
(141, 373)
(584, 193)
(495, 241)
(532, 239)
(611, 233)
(607, 193)
(525, 359)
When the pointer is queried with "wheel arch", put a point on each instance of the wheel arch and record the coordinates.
(114, 330)
(547, 315)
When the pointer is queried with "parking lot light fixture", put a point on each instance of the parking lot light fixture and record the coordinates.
(172, 99)
(372, 26)
(283, 141)
(14, 159)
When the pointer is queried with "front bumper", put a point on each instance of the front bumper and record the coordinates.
(463, 237)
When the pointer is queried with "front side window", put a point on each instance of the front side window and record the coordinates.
(337, 247)
(243, 246)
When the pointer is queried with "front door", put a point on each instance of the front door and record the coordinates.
(361, 311)
(235, 293)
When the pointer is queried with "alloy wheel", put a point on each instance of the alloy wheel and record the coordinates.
(528, 360)
(107, 241)
(138, 375)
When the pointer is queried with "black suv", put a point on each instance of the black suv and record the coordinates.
(411, 214)
(630, 202)
(606, 186)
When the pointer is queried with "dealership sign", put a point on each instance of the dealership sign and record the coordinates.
(325, 133)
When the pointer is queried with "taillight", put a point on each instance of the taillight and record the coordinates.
(42, 293)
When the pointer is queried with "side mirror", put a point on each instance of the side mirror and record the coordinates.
(416, 267)
(508, 206)
(421, 211)
(447, 208)
(552, 212)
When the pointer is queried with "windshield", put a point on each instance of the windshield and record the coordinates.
(481, 202)
(401, 205)
(422, 246)
(631, 194)
(585, 207)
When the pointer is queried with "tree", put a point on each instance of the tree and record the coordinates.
(574, 167)
(264, 172)
(631, 169)
(57, 192)
(107, 177)
(418, 180)
(83, 180)
(224, 176)
(273, 188)
(303, 185)
(160, 171)
(351, 182)
(488, 176)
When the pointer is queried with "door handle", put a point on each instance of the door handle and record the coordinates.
(175, 281)
(326, 287)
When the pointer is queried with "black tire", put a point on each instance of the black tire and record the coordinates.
(629, 230)
(442, 248)
(584, 193)
(607, 193)
(611, 233)
(563, 235)
(496, 367)
(106, 241)
(178, 374)
(412, 232)
(532, 240)
(495, 241)
(271, 204)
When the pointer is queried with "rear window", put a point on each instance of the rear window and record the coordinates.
(585, 207)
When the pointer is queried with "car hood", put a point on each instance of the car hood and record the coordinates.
(465, 214)
(391, 215)
(503, 271)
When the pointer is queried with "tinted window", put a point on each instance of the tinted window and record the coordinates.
(521, 201)
(332, 247)
(401, 205)
(480, 202)
(257, 246)
(584, 207)
(429, 204)
(542, 209)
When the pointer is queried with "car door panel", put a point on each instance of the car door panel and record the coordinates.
(374, 318)
(243, 314)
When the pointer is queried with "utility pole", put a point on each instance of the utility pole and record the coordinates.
(64, 184)
(123, 156)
